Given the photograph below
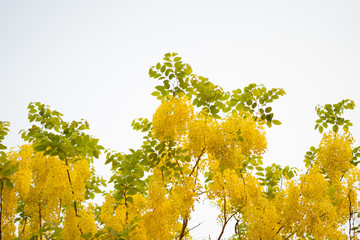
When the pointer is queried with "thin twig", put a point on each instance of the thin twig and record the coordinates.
(197, 162)
(193, 228)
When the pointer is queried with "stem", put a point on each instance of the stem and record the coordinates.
(126, 205)
(185, 223)
(290, 235)
(1, 207)
(192, 228)
(350, 212)
(22, 232)
(225, 220)
(177, 162)
(40, 220)
(59, 209)
(197, 162)
(279, 229)
(236, 227)
(73, 193)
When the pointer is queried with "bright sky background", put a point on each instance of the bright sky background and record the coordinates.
(90, 59)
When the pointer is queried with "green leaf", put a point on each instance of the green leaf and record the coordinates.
(155, 93)
(276, 122)
(160, 88)
(268, 109)
(96, 154)
(40, 148)
(87, 235)
(336, 128)
(250, 167)
(259, 168)
(9, 184)
(130, 199)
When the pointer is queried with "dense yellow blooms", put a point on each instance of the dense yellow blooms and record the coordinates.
(219, 148)
(320, 218)
(86, 221)
(229, 186)
(159, 220)
(171, 118)
(9, 206)
(198, 133)
(112, 215)
(182, 198)
(228, 140)
(253, 140)
(71, 229)
(289, 208)
(335, 154)
(313, 185)
(45, 185)
(307, 207)
(79, 172)
(155, 217)
(75, 226)
(263, 220)
(319, 204)
(118, 216)
(23, 176)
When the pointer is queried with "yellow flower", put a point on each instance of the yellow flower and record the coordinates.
(171, 118)
(335, 154)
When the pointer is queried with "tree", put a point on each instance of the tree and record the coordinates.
(201, 141)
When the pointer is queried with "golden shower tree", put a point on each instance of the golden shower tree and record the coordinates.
(202, 142)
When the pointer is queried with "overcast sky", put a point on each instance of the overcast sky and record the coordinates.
(90, 59)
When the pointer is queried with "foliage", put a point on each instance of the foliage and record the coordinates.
(201, 142)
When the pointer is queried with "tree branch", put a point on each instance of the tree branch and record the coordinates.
(183, 233)
(192, 228)
(197, 162)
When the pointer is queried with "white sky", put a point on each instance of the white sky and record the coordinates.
(90, 59)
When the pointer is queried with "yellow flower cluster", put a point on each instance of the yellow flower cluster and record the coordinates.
(262, 220)
(114, 218)
(253, 140)
(75, 226)
(335, 154)
(23, 176)
(171, 118)
(8, 211)
(219, 148)
(182, 198)
(71, 229)
(43, 185)
(319, 215)
(230, 186)
(289, 207)
(308, 208)
(313, 185)
(117, 216)
(231, 140)
(86, 220)
(236, 194)
(79, 172)
(159, 219)
(198, 131)
(157, 215)
(345, 194)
